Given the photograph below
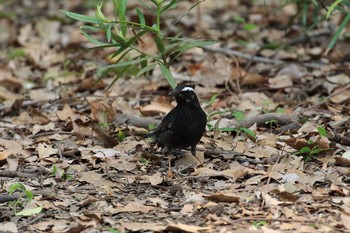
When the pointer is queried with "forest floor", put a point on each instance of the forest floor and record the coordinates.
(275, 155)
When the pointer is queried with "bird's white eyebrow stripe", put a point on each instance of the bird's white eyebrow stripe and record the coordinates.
(187, 89)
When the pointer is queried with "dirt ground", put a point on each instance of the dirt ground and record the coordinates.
(74, 158)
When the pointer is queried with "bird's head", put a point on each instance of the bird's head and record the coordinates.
(184, 94)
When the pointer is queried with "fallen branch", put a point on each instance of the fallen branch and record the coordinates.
(234, 53)
(13, 174)
(142, 122)
(13, 197)
(265, 119)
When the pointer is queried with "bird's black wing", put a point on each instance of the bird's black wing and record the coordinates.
(166, 125)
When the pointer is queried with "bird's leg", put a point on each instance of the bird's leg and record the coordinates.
(170, 172)
(193, 151)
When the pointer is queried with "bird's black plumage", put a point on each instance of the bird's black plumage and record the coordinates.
(185, 124)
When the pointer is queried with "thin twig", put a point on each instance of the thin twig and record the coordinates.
(252, 219)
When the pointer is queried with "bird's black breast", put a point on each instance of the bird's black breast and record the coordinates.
(182, 127)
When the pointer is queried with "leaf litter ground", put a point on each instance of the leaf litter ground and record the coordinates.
(81, 150)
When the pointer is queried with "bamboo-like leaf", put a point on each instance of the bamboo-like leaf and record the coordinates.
(172, 4)
(159, 43)
(122, 15)
(92, 40)
(99, 14)
(141, 17)
(168, 76)
(144, 63)
(146, 69)
(80, 17)
(146, 6)
(131, 62)
(109, 33)
(337, 33)
(118, 76)
(128, 43)
(332, 7)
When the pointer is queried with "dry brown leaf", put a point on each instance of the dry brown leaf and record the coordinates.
(156, 179)
(232, 173)
(12, 163)
(341, 96)
(8, 95)
(67, 113)
(42, 95)
(45, 151)
(341, 79)
(270, 201)
(90, 84)
(187, 209)
(8, 227)
(135, 207)
(11, 145)
(246, 78)
(156, 107)
(4, 154)
(43, 128)
(269, 230)
(281, 81)
(345, 218)
(185, 228)
(101, 111)
(143, 226)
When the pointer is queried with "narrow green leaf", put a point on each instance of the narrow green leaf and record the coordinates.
(172, 4)
(146, 69)
(337, 33)
(92, 40)
(141, 17)
(332, 7)
(99, 14)
(30, 212)
(109, 33)
(80, 17)
(159, 43)
(118, 76)
(142, 2)
(128, 43)
(143, 63)
(131, 62)
(29, 195)
(228, 129)
(168, 76)
(122, 16)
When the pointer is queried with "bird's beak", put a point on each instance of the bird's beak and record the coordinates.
(172, 93)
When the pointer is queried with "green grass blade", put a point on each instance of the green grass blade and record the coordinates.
(337, 33)
(141, 17)
(122, 15)
(168, 76)
(80, 17)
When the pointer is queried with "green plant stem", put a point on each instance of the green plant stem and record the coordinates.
(159, 11)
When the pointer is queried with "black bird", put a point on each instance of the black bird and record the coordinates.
(184, 125)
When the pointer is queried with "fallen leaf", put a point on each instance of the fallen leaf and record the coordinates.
(143, 226)
(156, 179)
(345, 218)
(135, 207)
(179, 227)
